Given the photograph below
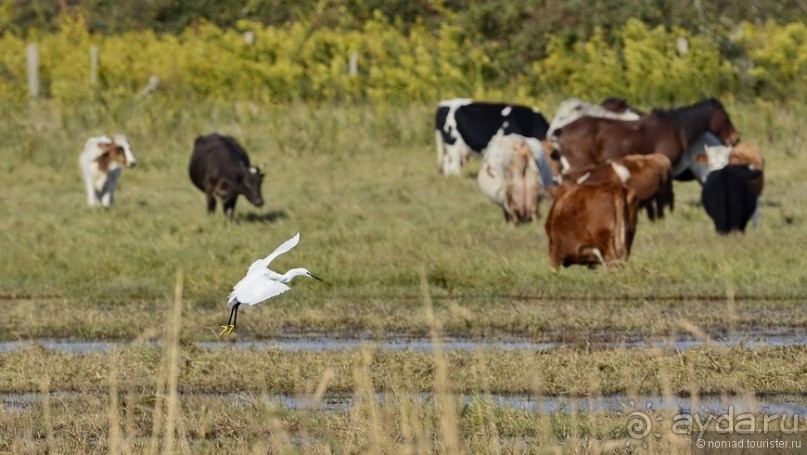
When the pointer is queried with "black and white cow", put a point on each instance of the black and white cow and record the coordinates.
(463, 126)
(729, 197)
(220, 167)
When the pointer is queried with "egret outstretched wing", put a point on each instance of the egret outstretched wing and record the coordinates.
(256, 288)
(286, 246)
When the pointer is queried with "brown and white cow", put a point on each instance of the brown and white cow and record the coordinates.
(510, 177)
(101, 163)
(649, 176)
(591, 224)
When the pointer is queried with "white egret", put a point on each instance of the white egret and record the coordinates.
(261, 283)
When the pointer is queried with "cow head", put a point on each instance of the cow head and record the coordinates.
(113, 156)
(124, 143)
(557, 162)
(249, 181)
(717, 156)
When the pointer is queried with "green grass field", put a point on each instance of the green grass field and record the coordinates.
(402, 250)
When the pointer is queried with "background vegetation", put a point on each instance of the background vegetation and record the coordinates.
(410, 51)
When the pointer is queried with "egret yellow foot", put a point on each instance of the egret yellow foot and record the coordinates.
(226, 330)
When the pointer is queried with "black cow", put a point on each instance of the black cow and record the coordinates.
(729, 197)
(220, 167)
(463, 126)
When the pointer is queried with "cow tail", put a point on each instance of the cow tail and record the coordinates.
(620, 230)
(525, 193)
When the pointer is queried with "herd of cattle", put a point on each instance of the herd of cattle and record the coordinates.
(598, 163)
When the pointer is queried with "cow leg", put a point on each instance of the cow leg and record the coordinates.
(510, 217)
(106, 194)
(554, 255)
(438, 137)
(229, 208)
(669, 195)
(111, 183)
(650, 208)
(92, 196)
(597, 253)
(109, 194)
(211, 201)
(756, 216)
(454, 158)
(658, 201)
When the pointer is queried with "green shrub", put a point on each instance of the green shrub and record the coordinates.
(301, 61)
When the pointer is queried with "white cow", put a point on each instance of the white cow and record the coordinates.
(574, 108)
(102, 162)
(511, 176)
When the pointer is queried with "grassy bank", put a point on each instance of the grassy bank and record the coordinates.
(473, 317)
(563, 371)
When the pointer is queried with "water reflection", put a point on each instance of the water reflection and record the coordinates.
(619, 403)
(749, 340)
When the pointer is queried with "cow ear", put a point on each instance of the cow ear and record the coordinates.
(701, 158)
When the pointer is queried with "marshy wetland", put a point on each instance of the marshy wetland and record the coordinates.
(438, 327)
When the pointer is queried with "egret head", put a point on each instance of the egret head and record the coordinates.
(300, 272)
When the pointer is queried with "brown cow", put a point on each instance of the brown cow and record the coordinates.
(649, 176)
(591, 224)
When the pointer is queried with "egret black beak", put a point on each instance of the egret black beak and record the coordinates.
(316, 277)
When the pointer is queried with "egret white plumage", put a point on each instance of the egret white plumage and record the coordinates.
(261, 283)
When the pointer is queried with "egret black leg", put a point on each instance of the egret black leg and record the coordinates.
(232, 312)
(235, 314)
(228, 329)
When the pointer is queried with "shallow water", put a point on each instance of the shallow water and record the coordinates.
(788, 405)
(750, 340)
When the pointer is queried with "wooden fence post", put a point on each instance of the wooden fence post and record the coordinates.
(93, 65)
(353, 64)
(32, 60)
